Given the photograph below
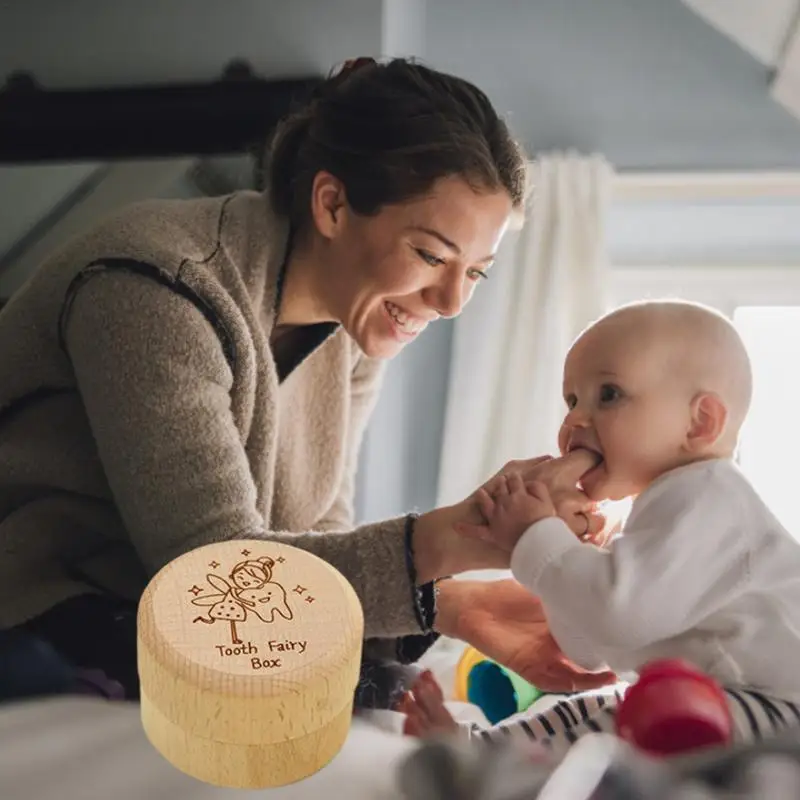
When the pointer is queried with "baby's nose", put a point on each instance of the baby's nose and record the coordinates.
(577, 418)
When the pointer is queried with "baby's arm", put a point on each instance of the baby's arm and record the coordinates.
(682, 556)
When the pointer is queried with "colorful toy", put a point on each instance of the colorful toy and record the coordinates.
(674, 708)
(497, 691)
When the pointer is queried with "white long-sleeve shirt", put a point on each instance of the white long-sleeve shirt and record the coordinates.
(703, 571)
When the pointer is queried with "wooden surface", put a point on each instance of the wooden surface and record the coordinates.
(249, 654)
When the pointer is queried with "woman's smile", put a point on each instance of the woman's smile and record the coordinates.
(405, 326)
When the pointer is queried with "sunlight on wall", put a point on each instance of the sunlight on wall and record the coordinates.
(771, 436)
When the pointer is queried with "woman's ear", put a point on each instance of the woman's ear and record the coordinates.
(328, 202)
(709, 417)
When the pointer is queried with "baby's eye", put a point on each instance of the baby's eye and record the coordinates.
(609, 393)
(571, 401)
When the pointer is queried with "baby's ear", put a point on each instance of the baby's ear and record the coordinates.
(709, 417)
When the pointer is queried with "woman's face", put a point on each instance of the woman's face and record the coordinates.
(410, 264)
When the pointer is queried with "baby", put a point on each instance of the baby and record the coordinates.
(702, 571)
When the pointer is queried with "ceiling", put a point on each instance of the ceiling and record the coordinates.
(652, 84)
(649, 83)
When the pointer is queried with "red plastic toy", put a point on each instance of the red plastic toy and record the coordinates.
(674, 708)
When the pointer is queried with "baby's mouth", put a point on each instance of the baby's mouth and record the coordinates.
(599, 463)
(593, 450)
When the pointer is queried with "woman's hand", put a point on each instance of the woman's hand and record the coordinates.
(441, 550)
(560, 477)
(505, 622)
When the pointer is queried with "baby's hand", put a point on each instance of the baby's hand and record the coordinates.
(426, 714)
(513, 508)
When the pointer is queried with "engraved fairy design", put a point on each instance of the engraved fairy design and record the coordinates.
(250, 590)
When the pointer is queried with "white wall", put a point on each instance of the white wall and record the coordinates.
(751, 232)
(89, 43)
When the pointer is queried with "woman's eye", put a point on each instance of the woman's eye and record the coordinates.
(609, 393)
(475, 274)
(429, 258)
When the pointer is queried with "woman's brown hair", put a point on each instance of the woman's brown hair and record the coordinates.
(389, 131)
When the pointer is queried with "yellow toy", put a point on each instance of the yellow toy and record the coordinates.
(497, 691)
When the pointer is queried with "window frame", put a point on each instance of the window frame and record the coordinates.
(722, 287)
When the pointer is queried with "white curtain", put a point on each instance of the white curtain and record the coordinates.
(504, 393)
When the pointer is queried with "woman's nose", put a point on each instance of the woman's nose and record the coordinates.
(447, 297)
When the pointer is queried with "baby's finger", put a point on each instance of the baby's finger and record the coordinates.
(538, 489)
(415, 725)
(491, 485)
(432, 685)
(430, 700)
(427, 684)
(597, 533)
(502, 487)
(515, 483)
(485, 503)
(403, 704)
(568, 506)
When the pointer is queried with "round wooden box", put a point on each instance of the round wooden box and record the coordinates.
(249, 656)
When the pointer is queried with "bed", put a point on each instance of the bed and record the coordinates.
(88, 749)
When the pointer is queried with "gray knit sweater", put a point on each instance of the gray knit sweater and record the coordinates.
(142, 415)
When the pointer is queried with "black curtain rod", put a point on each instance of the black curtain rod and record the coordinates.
(232, 115)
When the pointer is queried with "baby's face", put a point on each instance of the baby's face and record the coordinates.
(625, 403)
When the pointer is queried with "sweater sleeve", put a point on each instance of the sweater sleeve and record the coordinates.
(683, 555)
(156, 386)
(365, 386)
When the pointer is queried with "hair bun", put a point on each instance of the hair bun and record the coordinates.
(338, 75)
(352, 65)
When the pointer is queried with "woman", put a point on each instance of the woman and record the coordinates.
(202, 370)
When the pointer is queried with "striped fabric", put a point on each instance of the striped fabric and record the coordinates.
(755, 716)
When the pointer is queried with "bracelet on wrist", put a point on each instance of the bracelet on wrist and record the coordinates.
(424, 596)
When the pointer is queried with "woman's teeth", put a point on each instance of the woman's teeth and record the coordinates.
(405, 322)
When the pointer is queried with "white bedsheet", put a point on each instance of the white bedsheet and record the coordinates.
(87, 749)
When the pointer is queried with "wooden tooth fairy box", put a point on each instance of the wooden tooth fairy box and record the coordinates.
(249, 655)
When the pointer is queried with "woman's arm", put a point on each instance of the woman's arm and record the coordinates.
(365, 387)
(156, 388)
(438, 550)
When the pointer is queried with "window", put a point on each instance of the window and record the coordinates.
(771, 437)
(764, 304)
